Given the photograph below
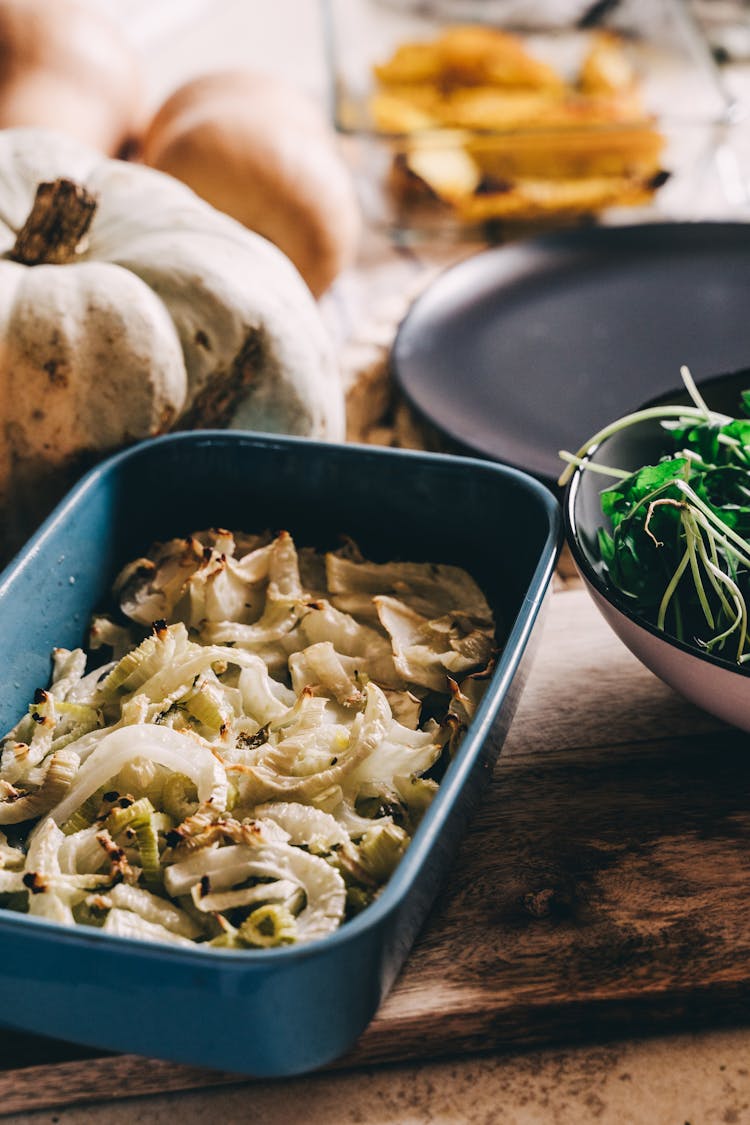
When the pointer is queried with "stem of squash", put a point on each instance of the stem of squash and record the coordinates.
(59, 219)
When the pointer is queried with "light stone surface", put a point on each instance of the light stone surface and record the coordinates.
(690, 1079)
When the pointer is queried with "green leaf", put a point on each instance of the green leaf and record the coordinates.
(618, 500)
(701, 437)
(727, 492)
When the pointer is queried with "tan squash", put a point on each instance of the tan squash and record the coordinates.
(64, 65)
(129, 306)
(257, 149)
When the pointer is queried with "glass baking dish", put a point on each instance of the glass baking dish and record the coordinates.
(467, 118)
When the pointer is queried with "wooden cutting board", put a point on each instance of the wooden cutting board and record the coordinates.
(603, 887)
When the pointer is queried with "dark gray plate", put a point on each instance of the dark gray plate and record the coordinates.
(530, 348)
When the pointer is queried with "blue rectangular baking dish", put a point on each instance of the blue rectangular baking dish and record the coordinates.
(289, 1010)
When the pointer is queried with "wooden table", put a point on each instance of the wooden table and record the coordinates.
(602, 889)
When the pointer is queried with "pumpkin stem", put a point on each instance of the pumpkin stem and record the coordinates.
(59, 218)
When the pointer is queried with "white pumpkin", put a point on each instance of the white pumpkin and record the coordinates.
(162, 313)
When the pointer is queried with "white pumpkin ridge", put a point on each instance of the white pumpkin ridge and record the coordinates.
(171, 315)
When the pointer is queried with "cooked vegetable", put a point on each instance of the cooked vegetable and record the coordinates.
(256, 148)
(128, 306)
(66, 66)
(490, 132)
(237, 777)
(677, 541)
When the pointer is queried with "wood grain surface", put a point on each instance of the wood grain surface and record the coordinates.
(602, 888)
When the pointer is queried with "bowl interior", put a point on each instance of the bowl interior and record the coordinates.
(637, 445)
(631, 448)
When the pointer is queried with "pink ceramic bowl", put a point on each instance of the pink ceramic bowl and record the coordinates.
(715, 684)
